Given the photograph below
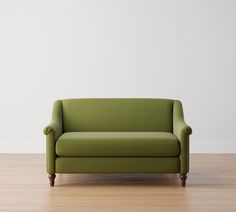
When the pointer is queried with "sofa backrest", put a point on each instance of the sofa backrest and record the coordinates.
(117, 115)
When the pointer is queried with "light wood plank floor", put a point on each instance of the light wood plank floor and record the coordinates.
(211, 186)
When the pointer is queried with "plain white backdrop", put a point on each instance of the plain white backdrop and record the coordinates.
(51, 49)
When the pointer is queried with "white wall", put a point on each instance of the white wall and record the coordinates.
(126, 48)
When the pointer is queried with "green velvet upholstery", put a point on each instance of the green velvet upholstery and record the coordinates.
(117, 115)
(117, 165)
(118, 144)
(182, 131)
(52, 132)
(117, 136)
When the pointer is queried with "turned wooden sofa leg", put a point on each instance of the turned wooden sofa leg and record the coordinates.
(51, 178)
(183, 178)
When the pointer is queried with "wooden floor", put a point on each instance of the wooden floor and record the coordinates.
(211, 186)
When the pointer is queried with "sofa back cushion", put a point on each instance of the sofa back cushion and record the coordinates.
(117, 115)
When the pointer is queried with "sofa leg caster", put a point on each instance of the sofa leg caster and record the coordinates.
(183, 178)
(51, 178)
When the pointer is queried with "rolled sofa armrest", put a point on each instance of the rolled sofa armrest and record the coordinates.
(52, 131)
(55, 126)
(179, 125)
(182, 131)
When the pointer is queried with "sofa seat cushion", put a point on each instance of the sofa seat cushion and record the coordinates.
(117, 144)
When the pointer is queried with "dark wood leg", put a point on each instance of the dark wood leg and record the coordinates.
(51, 178)
(183, 178)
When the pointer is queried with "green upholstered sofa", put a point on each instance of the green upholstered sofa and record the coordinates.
(117, 136)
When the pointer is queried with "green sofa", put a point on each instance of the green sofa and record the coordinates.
(117, 136)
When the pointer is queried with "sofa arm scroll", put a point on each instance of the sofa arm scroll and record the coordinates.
(182, 131)
(52, 131)
(55, 126)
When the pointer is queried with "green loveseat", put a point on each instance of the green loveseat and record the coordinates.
(117, 136)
